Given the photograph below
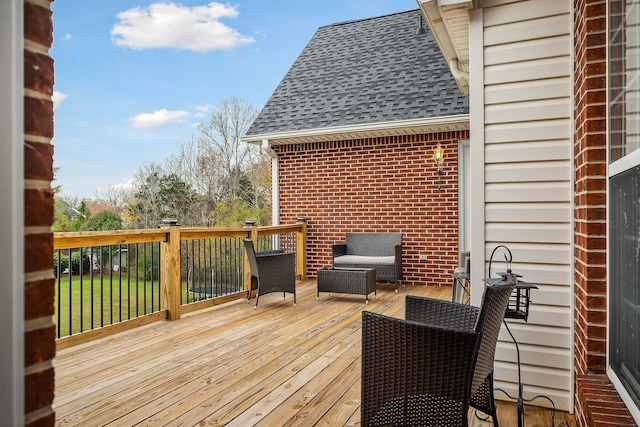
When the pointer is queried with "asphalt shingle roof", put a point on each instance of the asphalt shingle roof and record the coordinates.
(365, 71)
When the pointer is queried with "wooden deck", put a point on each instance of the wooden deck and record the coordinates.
(235, 366)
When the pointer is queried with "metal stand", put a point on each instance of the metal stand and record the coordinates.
(460, 291)
(520, 400)
(518, 308)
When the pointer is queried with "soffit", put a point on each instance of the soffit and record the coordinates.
(375, 130)
(449, 23)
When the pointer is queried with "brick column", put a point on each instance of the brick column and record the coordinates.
(590, 186)
(38, 197)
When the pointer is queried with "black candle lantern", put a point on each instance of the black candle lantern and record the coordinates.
(518, 307)
(519, 301)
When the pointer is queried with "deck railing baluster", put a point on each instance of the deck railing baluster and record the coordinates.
(70, 295)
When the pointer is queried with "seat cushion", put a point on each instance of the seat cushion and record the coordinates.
(359, 259)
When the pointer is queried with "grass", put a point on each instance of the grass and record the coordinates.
(112, 301)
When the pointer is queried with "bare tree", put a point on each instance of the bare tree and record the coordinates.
(222, 136)
(71, 201)
(227, 178)
(196, 164)
(114, 197)
(259, 174)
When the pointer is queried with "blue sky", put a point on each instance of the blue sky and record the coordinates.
(134, 78)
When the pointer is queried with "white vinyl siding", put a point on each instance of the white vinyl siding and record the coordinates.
(526, 139)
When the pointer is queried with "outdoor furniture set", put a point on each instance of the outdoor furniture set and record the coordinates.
(424, 370)
(360, 262)
(357, 264)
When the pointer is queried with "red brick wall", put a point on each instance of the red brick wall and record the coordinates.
(592, 388)
(590, 186)
(38, 239)
(604, 408)
(376, 184)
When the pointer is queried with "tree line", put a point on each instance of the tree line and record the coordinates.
(213, 180)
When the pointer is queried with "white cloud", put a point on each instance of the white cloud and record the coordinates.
(67, 36)
(158, 118)
(203, 110)
(177, 26)
(58, 98)
(122, 187)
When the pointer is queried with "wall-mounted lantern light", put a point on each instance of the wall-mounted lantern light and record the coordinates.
(438, 157)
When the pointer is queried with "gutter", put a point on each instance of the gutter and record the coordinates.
(399, 127)
(458, 74)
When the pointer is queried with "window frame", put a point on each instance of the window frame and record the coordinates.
(623, 164)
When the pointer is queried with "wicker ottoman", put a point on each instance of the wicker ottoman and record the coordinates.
(359, 281)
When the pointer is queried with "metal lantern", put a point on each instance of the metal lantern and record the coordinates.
(520, 299)
(518, 307)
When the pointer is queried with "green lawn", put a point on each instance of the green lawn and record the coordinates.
(111, 300)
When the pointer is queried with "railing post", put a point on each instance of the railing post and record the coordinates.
(170, 269)
(253, 235)
(301, 252)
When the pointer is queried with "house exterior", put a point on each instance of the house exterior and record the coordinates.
(542, 158)
(26, 171)
(593, 170)
(519, 59)
(554, 165)
(349, 181)
(352, 129)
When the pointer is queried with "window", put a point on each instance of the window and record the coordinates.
(624, 200)
(624, 304)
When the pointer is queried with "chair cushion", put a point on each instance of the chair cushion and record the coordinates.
(359, 259)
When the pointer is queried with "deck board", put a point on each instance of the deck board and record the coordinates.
(235, 366)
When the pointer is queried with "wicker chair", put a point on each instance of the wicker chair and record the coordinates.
(271, 271)
(428, 369)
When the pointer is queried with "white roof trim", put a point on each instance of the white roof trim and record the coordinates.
(398, 127)
(439, 14)
(445, 3)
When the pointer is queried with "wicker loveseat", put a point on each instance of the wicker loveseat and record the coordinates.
(382, 251)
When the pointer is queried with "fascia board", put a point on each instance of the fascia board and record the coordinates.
(457, 122)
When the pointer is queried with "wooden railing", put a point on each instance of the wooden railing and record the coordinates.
(156, 266)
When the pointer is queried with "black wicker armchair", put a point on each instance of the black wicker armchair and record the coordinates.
(428, 369)
(271, 271)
